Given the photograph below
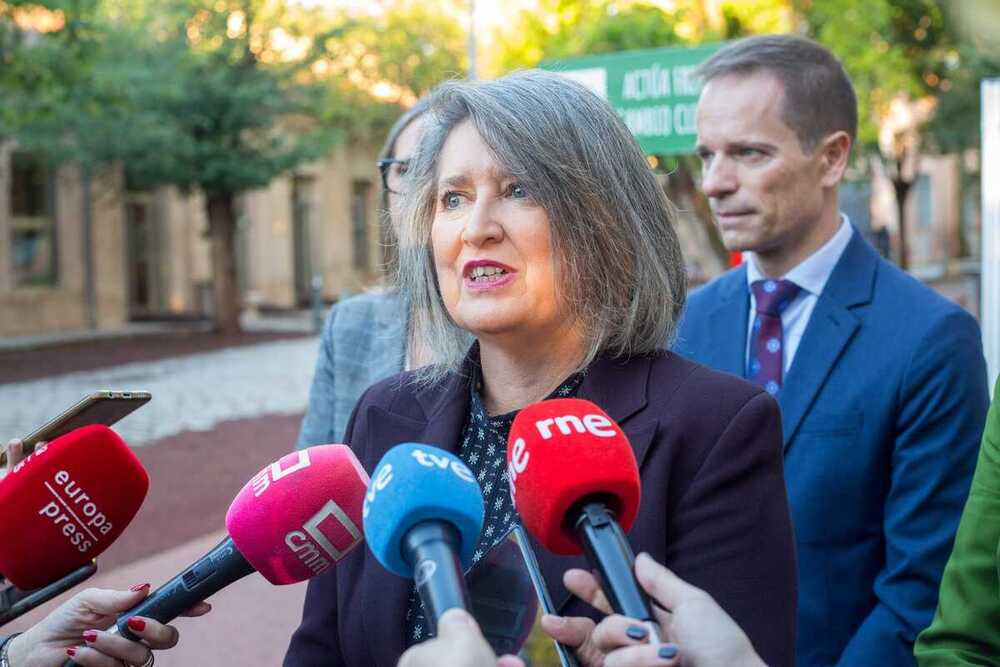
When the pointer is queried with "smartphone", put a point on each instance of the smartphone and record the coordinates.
(507, 596)
(101, 407)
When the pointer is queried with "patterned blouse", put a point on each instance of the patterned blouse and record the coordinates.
(484, 450)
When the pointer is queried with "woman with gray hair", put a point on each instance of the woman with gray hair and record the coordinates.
(533, 223)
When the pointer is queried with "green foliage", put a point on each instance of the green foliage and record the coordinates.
(218, 94)
(223, 106)
(957, 122)
(888, 47)
(566, 28)
(402, 54)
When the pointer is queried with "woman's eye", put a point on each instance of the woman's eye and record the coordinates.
(451, 200)
(401, 169)
(517, 191)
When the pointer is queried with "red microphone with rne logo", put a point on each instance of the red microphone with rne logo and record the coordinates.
(575, 484)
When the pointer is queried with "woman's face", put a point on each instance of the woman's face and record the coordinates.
(404, 148)
(492, 246)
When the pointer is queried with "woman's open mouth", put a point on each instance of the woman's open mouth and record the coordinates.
(486, 275)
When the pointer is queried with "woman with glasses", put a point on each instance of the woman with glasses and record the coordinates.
(533, 223)
(367, 337)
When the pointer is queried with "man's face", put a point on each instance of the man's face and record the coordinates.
(764, 190)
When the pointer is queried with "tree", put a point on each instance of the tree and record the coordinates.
(234, 109)
(897, 53)
(218, 97)
(563, 28)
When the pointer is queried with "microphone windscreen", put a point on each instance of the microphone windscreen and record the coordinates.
(414, 483)
(560, 452)
(301, 514)
(66, 503)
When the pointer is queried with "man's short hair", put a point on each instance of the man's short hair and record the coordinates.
(819, 98)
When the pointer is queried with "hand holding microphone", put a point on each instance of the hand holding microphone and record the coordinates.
(293, 520)
(86, 616)
(704, 634)
(459, 643)
(423, 515)
(575, 484)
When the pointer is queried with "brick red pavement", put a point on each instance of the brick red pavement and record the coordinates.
(18, 365)
(193, 478)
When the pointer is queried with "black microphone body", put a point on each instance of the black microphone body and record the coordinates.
(208, 575)
(14, 602)
(431, 547)
(607, 549)
(220, 567)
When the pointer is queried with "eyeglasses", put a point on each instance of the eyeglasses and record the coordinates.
(393, 172)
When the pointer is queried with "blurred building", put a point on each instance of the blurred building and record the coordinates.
(943, 221)
(144, 254)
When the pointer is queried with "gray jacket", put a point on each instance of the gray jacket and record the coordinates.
(364, 341)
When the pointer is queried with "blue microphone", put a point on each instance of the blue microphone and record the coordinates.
(422, 517)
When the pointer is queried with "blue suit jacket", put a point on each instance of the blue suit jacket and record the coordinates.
(882, 411)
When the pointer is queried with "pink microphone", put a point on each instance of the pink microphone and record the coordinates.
(294, 519)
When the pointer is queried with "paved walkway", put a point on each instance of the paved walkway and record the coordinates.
(191, 393)
(216, 418)
(250, 623)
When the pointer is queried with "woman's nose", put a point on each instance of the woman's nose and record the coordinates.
(482, 226)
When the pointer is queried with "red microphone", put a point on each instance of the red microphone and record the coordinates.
(575, 485)
(294, 519)
(66, 503)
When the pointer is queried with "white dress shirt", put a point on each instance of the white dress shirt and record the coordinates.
(811, 276)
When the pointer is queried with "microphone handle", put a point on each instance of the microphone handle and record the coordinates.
(431, 547)
(15, 602)
(607, 549)
(220, 567)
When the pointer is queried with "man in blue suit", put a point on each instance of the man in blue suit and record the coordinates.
(881, 381)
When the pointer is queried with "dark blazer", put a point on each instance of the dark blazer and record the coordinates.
(713, 507)
(882, 410)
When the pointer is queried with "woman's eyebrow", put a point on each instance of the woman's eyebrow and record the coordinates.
(453, 182)
(464, 180)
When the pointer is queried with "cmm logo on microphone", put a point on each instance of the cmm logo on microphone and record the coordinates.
(315, 544)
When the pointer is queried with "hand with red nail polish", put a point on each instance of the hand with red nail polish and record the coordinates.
(77, 629)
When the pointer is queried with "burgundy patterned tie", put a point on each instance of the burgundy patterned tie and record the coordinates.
(767, 342)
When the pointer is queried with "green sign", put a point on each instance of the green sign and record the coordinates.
(653, 90)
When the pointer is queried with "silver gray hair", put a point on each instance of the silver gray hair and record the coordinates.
(616, 252)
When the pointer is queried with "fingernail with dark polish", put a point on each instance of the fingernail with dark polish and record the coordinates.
(71, 652)
(667, 652)
(136, 624)
(90, 636)
(636, 632)
(138, 587)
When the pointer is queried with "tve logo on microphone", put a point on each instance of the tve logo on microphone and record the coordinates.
(424, 458)
(431, 460)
